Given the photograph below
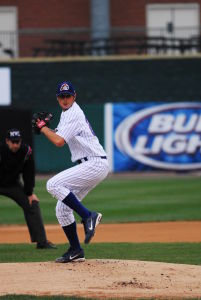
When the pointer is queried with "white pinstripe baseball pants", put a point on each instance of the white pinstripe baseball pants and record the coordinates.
(79, 180)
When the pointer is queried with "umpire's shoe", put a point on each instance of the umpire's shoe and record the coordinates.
(76, 255)
(46, 245)
(90, 226)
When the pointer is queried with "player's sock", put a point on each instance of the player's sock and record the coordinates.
(77, 206)
(71, 234)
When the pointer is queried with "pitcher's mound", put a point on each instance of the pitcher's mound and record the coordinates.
(102, 279)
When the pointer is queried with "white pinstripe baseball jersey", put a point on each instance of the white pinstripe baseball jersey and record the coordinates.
(75, 129)
(70, 186)
(82, 178)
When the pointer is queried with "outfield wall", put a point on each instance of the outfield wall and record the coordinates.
(109, 79)
(98, 81)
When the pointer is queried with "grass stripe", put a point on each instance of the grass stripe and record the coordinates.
(182, 253)
(122, 201)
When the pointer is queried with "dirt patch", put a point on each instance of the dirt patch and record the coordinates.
(106, 279)
(133, 232)
(102, 279)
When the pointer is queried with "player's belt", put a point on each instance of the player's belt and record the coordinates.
(79, 161)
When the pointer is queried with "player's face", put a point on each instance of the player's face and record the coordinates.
(13, 146)
(65, 101)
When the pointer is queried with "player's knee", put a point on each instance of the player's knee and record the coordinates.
(50, 186)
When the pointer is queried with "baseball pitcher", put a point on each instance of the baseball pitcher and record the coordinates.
(70, 186)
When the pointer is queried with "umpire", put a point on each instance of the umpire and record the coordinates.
(16, 159)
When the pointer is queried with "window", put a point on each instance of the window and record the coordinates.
(8, 32)
(174, 22)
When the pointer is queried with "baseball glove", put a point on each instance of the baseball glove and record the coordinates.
(39, 120)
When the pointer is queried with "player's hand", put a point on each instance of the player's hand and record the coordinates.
(40, 120)
(32, 198)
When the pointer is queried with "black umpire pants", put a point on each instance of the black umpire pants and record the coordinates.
(32, 212)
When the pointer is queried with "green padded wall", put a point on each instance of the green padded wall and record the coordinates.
(97, 82)
(167, 79)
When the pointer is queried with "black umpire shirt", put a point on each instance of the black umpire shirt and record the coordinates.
(14, 164)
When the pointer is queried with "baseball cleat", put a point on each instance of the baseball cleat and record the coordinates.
(76, 255)
(90, 225)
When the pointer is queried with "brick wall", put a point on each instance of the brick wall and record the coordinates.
(51, 13)
(76, 13)
(127, 13)
(72, 14)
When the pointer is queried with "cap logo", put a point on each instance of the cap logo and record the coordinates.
(64, 87)
(14, 134)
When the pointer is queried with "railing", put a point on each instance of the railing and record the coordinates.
(78, 41)
(8, 43)
(118, 45)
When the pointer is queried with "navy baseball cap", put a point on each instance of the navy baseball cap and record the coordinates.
(65, 87)
(14, 135)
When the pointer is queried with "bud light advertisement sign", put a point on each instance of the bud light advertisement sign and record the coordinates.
(165, 136)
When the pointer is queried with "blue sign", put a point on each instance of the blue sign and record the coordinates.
(156, 136)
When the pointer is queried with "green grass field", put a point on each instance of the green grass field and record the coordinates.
(126, 200)
(182, 253)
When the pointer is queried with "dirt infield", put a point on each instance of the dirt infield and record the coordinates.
(133, 232)
(102, 279)
(106, 279)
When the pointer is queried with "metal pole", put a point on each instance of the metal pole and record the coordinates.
(100, 25)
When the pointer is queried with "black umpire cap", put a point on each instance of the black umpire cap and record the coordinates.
(14, 135)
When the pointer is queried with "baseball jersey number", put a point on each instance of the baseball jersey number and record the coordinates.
(90, 126)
